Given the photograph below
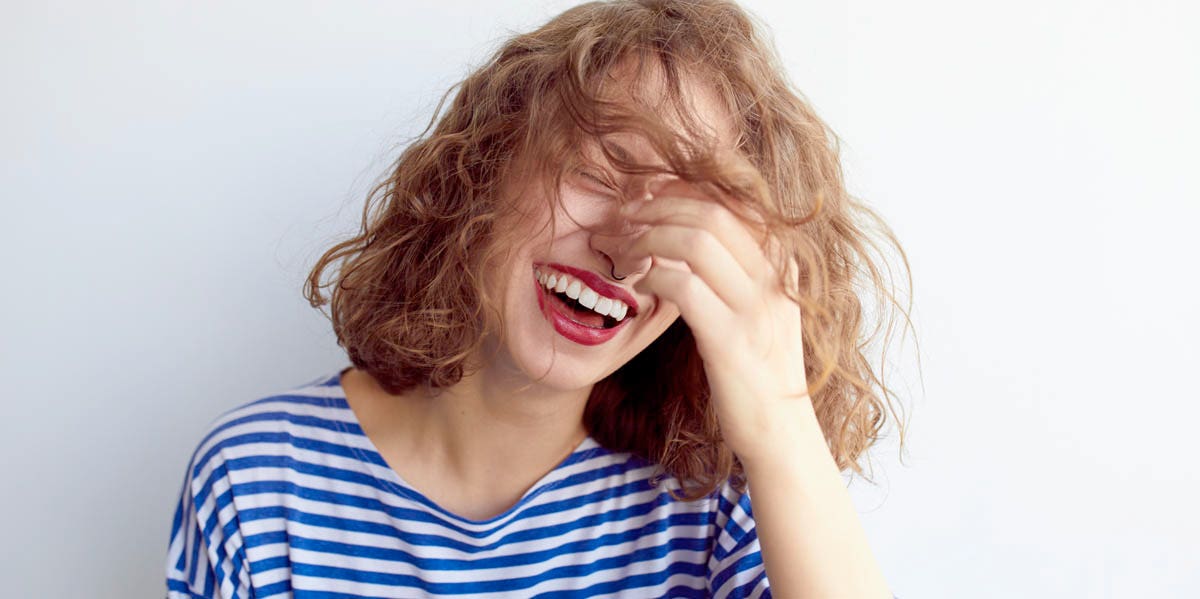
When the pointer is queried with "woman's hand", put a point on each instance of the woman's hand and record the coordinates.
(747, 331)
(748, 334)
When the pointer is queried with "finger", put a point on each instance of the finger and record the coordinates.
(699, 306)
(711, 216)
(705, 257)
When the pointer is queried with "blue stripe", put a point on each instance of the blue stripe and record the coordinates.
(362, 478)
(278, 588)
(746, 590)
(508, 584)
(307, 594)
(296, 419)
(218, 546)
(501, 561)
(519, 535)
(634, 582)
(180, 586)
(336, 498)
(197, 542)
(730, 530)
(746, 562)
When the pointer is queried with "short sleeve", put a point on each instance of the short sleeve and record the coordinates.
(205, 555)
(735, 565)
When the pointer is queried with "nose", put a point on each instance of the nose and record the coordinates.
(615, 244)
(615, 247)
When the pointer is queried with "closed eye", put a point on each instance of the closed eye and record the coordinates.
(596, 179)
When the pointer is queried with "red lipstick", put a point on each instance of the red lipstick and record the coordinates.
(567, 327)
(598, 285)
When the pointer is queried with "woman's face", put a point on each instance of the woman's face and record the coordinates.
(560, 278)
(562, 302)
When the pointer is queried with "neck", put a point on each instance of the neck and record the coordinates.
(489, 424)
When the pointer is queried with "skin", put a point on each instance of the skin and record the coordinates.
(478, 446)
(686, 256)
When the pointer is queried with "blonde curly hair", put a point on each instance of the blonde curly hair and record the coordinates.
(410, 303)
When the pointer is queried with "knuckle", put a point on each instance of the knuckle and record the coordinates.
(697, 240)
(687, 239)
(690, 286)
(719, 216)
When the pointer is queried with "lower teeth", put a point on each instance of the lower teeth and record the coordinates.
(608, 322)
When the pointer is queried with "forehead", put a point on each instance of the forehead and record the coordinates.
(647, 89)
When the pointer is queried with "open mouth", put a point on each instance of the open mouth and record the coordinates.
(577, 313)
(574, 321)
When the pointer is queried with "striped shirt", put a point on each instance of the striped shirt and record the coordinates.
(286, 497)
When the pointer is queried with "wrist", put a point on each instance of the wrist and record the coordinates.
(790, 431)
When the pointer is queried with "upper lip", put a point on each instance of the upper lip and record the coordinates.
(598, 285)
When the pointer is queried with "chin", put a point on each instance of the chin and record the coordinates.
(546, 358)
(535, 349)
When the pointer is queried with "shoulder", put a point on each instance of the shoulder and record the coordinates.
(239, 454)
(273, 425)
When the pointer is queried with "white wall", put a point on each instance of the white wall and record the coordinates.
(170, 170)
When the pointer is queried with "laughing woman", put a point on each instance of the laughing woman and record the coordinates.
(606, 295)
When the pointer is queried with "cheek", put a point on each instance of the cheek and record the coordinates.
(667, 315)
(580, 210)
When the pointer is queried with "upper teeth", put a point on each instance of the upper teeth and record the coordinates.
(576, 290)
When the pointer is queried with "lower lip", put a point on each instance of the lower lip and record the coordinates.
(570, 329)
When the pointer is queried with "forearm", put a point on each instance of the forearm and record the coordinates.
(813, 544)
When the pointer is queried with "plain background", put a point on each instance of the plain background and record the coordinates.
(171, 170)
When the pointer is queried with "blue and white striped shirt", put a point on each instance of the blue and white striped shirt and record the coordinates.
(286, 497)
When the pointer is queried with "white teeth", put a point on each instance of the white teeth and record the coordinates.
(573, 289)
(603, 307)
(618, 311)
(587, 298)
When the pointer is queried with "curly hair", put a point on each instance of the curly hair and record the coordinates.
(410, 301)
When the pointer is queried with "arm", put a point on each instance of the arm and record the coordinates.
(748, 332)
(813, 545)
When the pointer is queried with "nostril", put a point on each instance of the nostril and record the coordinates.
(622, 271)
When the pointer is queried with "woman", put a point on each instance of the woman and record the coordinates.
(575, 321)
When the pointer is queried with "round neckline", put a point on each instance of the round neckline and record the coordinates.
(388, 478)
